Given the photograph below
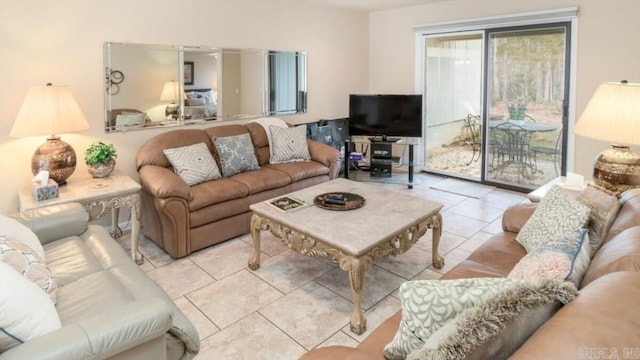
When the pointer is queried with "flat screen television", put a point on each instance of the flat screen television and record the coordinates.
(385, 115)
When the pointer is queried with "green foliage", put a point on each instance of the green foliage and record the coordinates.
(99, 153)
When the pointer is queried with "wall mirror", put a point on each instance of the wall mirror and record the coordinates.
(151, 86)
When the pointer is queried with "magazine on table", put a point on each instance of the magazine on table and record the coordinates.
(287, 203)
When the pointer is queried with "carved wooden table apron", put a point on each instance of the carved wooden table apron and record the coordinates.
(346, 241)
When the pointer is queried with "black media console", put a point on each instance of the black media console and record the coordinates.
(382, 158)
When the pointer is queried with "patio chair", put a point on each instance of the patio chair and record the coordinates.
(473, 127)
(553, 152)
(511, 147)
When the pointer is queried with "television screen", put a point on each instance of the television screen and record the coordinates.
(385, 115)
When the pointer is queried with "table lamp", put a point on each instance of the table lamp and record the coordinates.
(613, 114)
(171, 92)
(50, 110)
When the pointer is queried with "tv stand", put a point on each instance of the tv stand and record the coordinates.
(381, 159)
(383, 138)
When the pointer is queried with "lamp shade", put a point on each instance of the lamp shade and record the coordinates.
(612, 114)
(48, 110)
(171, 91)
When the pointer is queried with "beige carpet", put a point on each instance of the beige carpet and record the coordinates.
(463, 187)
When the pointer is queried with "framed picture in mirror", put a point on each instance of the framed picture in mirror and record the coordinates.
(188, 72)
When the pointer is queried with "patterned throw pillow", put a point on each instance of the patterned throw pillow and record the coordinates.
(556, 214)
(194, 163)
(565, 257)
(428, 304)
(27, 312)
(236, 154)
(27, 262)
(499, 325)
(604, 210)
(289, 144)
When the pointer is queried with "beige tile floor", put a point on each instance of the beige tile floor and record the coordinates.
(293, 303)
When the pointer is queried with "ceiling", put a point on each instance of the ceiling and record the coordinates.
(372, 5)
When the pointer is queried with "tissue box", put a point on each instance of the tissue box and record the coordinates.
(44, 192)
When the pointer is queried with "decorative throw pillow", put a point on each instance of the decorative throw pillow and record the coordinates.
(27, 262)
(604, 210)
(194, 163)
(289, 144)
(499, 325)
(556, 214)
(27, 312)
(236, 154)
(197, 102)
(15, 229)
(428, 304)
(565, 257)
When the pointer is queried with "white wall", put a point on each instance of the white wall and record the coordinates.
(61, 42)
(607, 48)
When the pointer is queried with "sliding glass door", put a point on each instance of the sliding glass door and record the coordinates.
(527, 81)
(496, 104)
(453, 104)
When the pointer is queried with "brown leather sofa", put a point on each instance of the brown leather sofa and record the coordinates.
(182, 219)
(603, 320)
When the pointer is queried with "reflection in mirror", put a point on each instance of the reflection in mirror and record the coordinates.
(150, 86)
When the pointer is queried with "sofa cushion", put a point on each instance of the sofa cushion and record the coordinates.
(263, 179)
(26, 262)
(604, 317)
(236, 154)
(288, 144)
(27, 312)
(501, 252)
(301, 170)
(193, 163)
(215, 192)
(428, 304)
(622, 253)
(557, 213)
(604, 208)
(498, 325)
(565, 257)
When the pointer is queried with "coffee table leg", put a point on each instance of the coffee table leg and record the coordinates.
(438, 261)
(355, 268)
(256, 227)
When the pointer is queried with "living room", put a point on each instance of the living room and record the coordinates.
(349, 51)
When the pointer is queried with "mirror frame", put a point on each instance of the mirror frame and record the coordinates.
(276, 83)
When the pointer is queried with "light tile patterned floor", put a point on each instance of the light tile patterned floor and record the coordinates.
(293, 304)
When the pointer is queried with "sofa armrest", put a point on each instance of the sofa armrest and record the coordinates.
(163, 183)
(326, 155)
(55, 222)
(516, 216)
(101, 336)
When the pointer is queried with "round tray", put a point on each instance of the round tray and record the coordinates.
(353, 201)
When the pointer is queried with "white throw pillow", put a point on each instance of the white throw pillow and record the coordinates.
(193, 163)
(289, 144)
(20, 232)
(558, 213)
(27, 312)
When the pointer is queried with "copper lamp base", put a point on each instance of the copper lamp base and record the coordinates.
(55, 156)
(617, 169)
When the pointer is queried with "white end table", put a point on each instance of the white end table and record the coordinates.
(537, 194)
(97, 196)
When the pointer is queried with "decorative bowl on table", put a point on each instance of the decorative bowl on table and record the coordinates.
(339, 201)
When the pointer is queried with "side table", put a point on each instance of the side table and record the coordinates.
(537, 194)
(97, 196)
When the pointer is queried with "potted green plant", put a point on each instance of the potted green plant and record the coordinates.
(100, 159)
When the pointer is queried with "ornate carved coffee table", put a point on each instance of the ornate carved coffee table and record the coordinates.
(388, 224)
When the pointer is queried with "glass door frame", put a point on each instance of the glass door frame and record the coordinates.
(568, 14)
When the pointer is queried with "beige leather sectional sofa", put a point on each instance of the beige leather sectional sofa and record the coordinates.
(182, 219)
(601, 322)
(107, 306)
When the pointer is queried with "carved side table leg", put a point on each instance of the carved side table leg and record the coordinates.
(438, 261)
(355, 268)
(116, 232)
(136, 255)
(256, 227)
